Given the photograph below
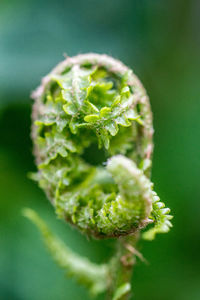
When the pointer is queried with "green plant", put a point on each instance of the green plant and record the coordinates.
(92, 133)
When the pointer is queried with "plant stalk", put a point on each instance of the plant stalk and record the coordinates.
(122, 267)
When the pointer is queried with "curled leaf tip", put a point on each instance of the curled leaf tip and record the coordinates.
(92, 108)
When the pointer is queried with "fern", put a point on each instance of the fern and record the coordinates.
(92, 134)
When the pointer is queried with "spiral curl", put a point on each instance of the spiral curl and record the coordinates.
(92, 134)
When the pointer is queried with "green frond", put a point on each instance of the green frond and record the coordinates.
(92, 276)
(85, 107)
(92, 134)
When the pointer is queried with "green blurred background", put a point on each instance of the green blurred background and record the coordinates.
(160, 40)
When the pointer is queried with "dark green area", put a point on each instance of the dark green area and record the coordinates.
(160, 40)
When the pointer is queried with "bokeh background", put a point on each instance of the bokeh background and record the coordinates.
(160, 40)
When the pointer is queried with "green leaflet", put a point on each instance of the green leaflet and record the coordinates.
(122, 291)
(160, 217)
(52, 113)
(55, 143)
(96, 103)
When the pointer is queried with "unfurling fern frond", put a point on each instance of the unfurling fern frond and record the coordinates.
(92, 134)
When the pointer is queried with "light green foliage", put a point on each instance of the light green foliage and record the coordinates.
(160, 217)
(88, 106)
(122, 290)
(94, 277)
(92, 133)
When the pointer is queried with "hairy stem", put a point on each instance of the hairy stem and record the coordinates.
(122, 267)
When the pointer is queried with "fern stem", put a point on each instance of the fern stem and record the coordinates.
(122, 267)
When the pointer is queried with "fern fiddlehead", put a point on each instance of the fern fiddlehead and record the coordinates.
(92, 133)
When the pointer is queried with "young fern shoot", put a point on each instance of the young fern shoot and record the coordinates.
(92, 133)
